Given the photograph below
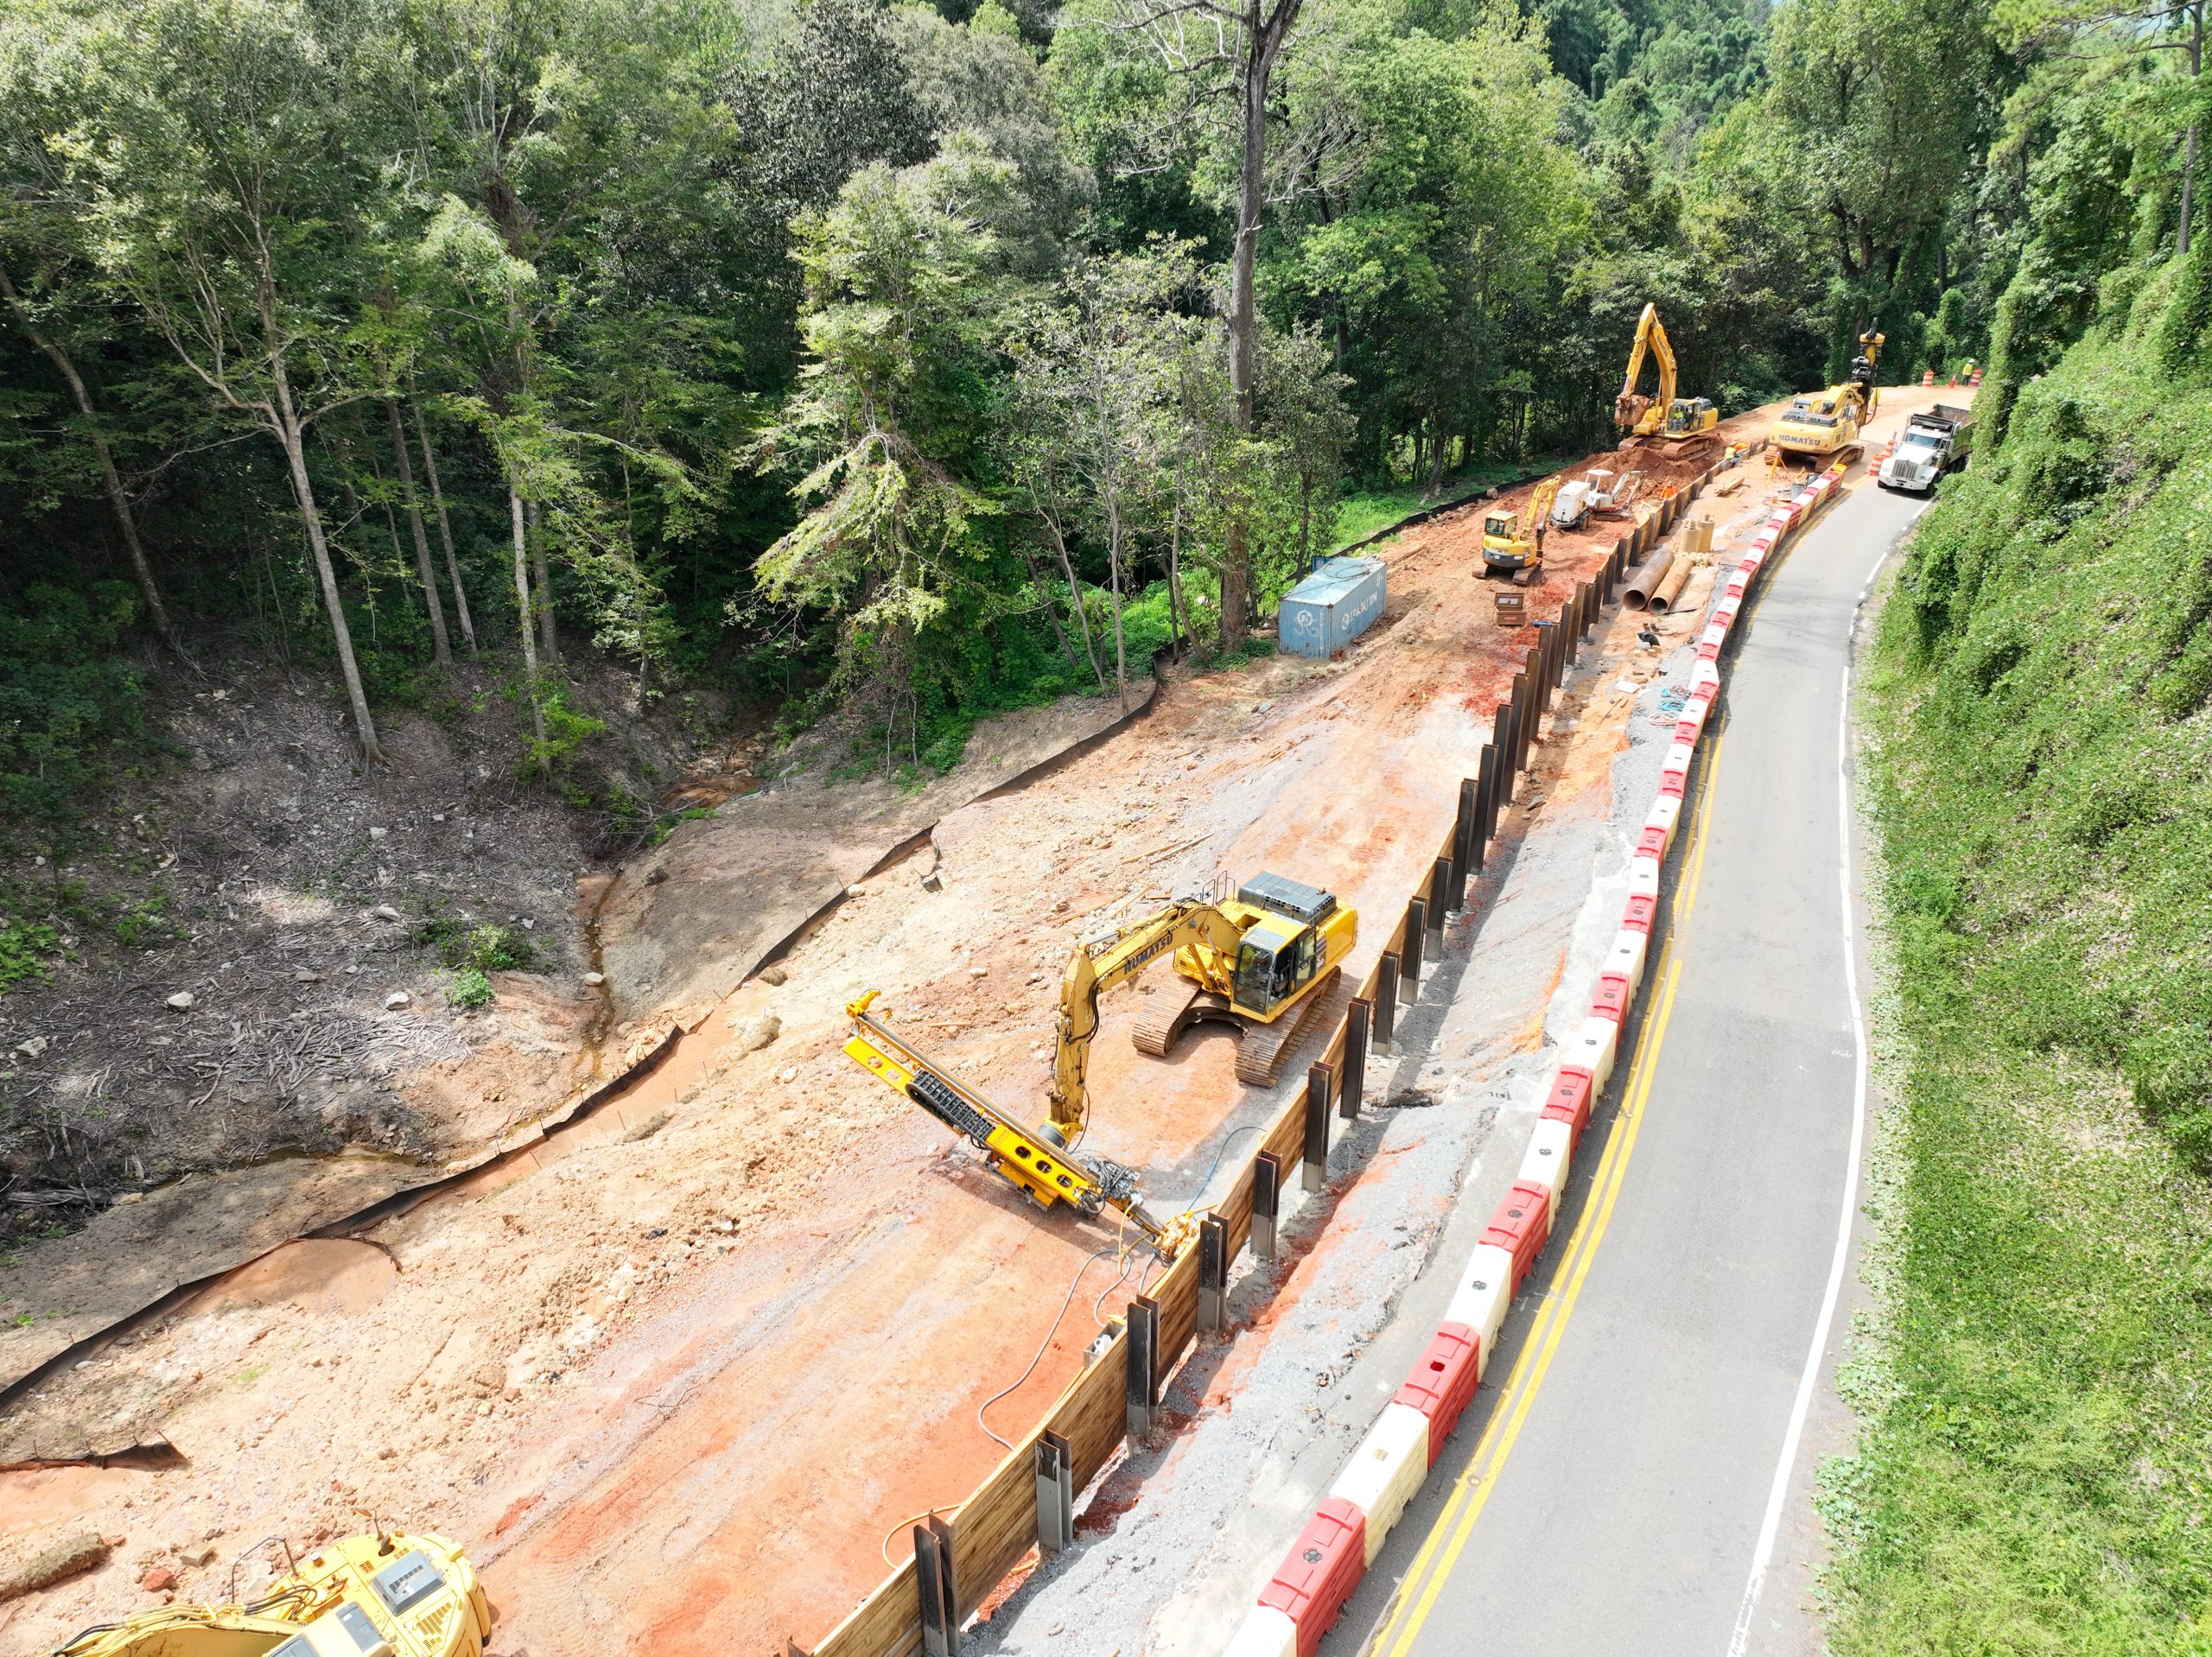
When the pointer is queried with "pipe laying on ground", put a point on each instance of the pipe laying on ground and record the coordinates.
(1671, 585)
(1636, 595)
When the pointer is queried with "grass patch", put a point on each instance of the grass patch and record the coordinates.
(2035, 1474)
(479, 949)
(1377, 506)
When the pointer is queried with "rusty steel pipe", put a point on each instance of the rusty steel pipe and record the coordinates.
(1636, 595)
(1671, 585)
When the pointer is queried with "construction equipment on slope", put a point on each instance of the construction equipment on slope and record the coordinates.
(1822, 427)
(376, 1596)
(1038, 1162)
(1679, 424)
(1263, 963)
(1599, 491)
(1513, 542)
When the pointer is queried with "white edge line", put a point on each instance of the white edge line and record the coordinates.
(1777, 1493)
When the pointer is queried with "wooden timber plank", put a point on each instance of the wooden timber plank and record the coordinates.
(1092, 1415)
(887, 1623)
(996, 1525)
(1285, 1135)
(1235, 1210)
(1178, 1294)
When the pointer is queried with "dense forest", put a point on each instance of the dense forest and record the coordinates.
(908, 364)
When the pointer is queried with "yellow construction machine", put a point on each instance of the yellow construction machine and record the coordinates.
(377, 1596)
(1513, 542)
(1822, 427)
(1263, 963)
(1674, 422)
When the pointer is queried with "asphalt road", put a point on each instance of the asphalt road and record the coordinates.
(1653, 1388)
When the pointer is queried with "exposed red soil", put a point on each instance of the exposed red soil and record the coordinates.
(673, 1376)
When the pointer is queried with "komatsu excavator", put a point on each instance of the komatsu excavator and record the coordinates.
(1679, 424)
(1513, 542)
(1264, 962)
(1822, 427)
(376, 1596)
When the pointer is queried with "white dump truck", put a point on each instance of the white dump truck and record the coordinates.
(1934, 442)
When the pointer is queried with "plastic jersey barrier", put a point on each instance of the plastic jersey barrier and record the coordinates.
(1316, 1576)
(1568, 1101)
(1626, 956)
(1442, 1382)
(1611, 998)
(1484, 1292)
(1545, 1161)
(1521, 1226)
(1383, 1474)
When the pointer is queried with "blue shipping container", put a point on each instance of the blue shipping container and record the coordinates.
(1331, 607)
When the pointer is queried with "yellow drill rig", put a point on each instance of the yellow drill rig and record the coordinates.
(1262, 962)
(1513, 542)
(1677, 423)
(380, 1596)
(1822, 427)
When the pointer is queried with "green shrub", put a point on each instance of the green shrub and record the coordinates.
(470, 988)
(25, 949)
(68, 701)
(481, 949)
(144, 925)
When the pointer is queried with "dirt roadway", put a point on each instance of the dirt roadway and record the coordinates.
(672, 1377)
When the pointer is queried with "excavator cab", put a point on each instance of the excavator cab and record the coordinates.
(1277, 959)
(1686, 416)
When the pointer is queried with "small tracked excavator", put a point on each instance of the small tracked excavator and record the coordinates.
(1513, 542)
(1678, 424)
(1822, 427)
(1265, 962)
(376, 1596)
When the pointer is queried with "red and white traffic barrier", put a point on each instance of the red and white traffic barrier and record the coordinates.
(1307, 1593)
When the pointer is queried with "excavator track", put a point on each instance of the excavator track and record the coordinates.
(1169, 1011)
(1262, 1048)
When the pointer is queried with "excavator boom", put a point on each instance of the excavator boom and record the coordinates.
(1632, 412)
(1258, 960)
(1679, 422)
(1183, 923)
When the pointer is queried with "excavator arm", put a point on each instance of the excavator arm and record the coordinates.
(1185, 922)
(1631, 411)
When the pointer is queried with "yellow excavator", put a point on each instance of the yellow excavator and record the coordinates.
(1513, 542)
(1263, 961)
(377, 1596)
(1822, 427)
(1675, 422)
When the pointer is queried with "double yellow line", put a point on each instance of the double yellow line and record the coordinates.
(1447, 1537)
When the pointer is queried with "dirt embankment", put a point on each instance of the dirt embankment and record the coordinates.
(672, 1373)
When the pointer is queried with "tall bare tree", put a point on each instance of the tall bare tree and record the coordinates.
(216, 149)
(1225, 53)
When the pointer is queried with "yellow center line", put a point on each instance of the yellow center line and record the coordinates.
(1447, 1537)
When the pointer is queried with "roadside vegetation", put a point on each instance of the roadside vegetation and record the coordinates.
(831, 364)
(2036, 1476)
